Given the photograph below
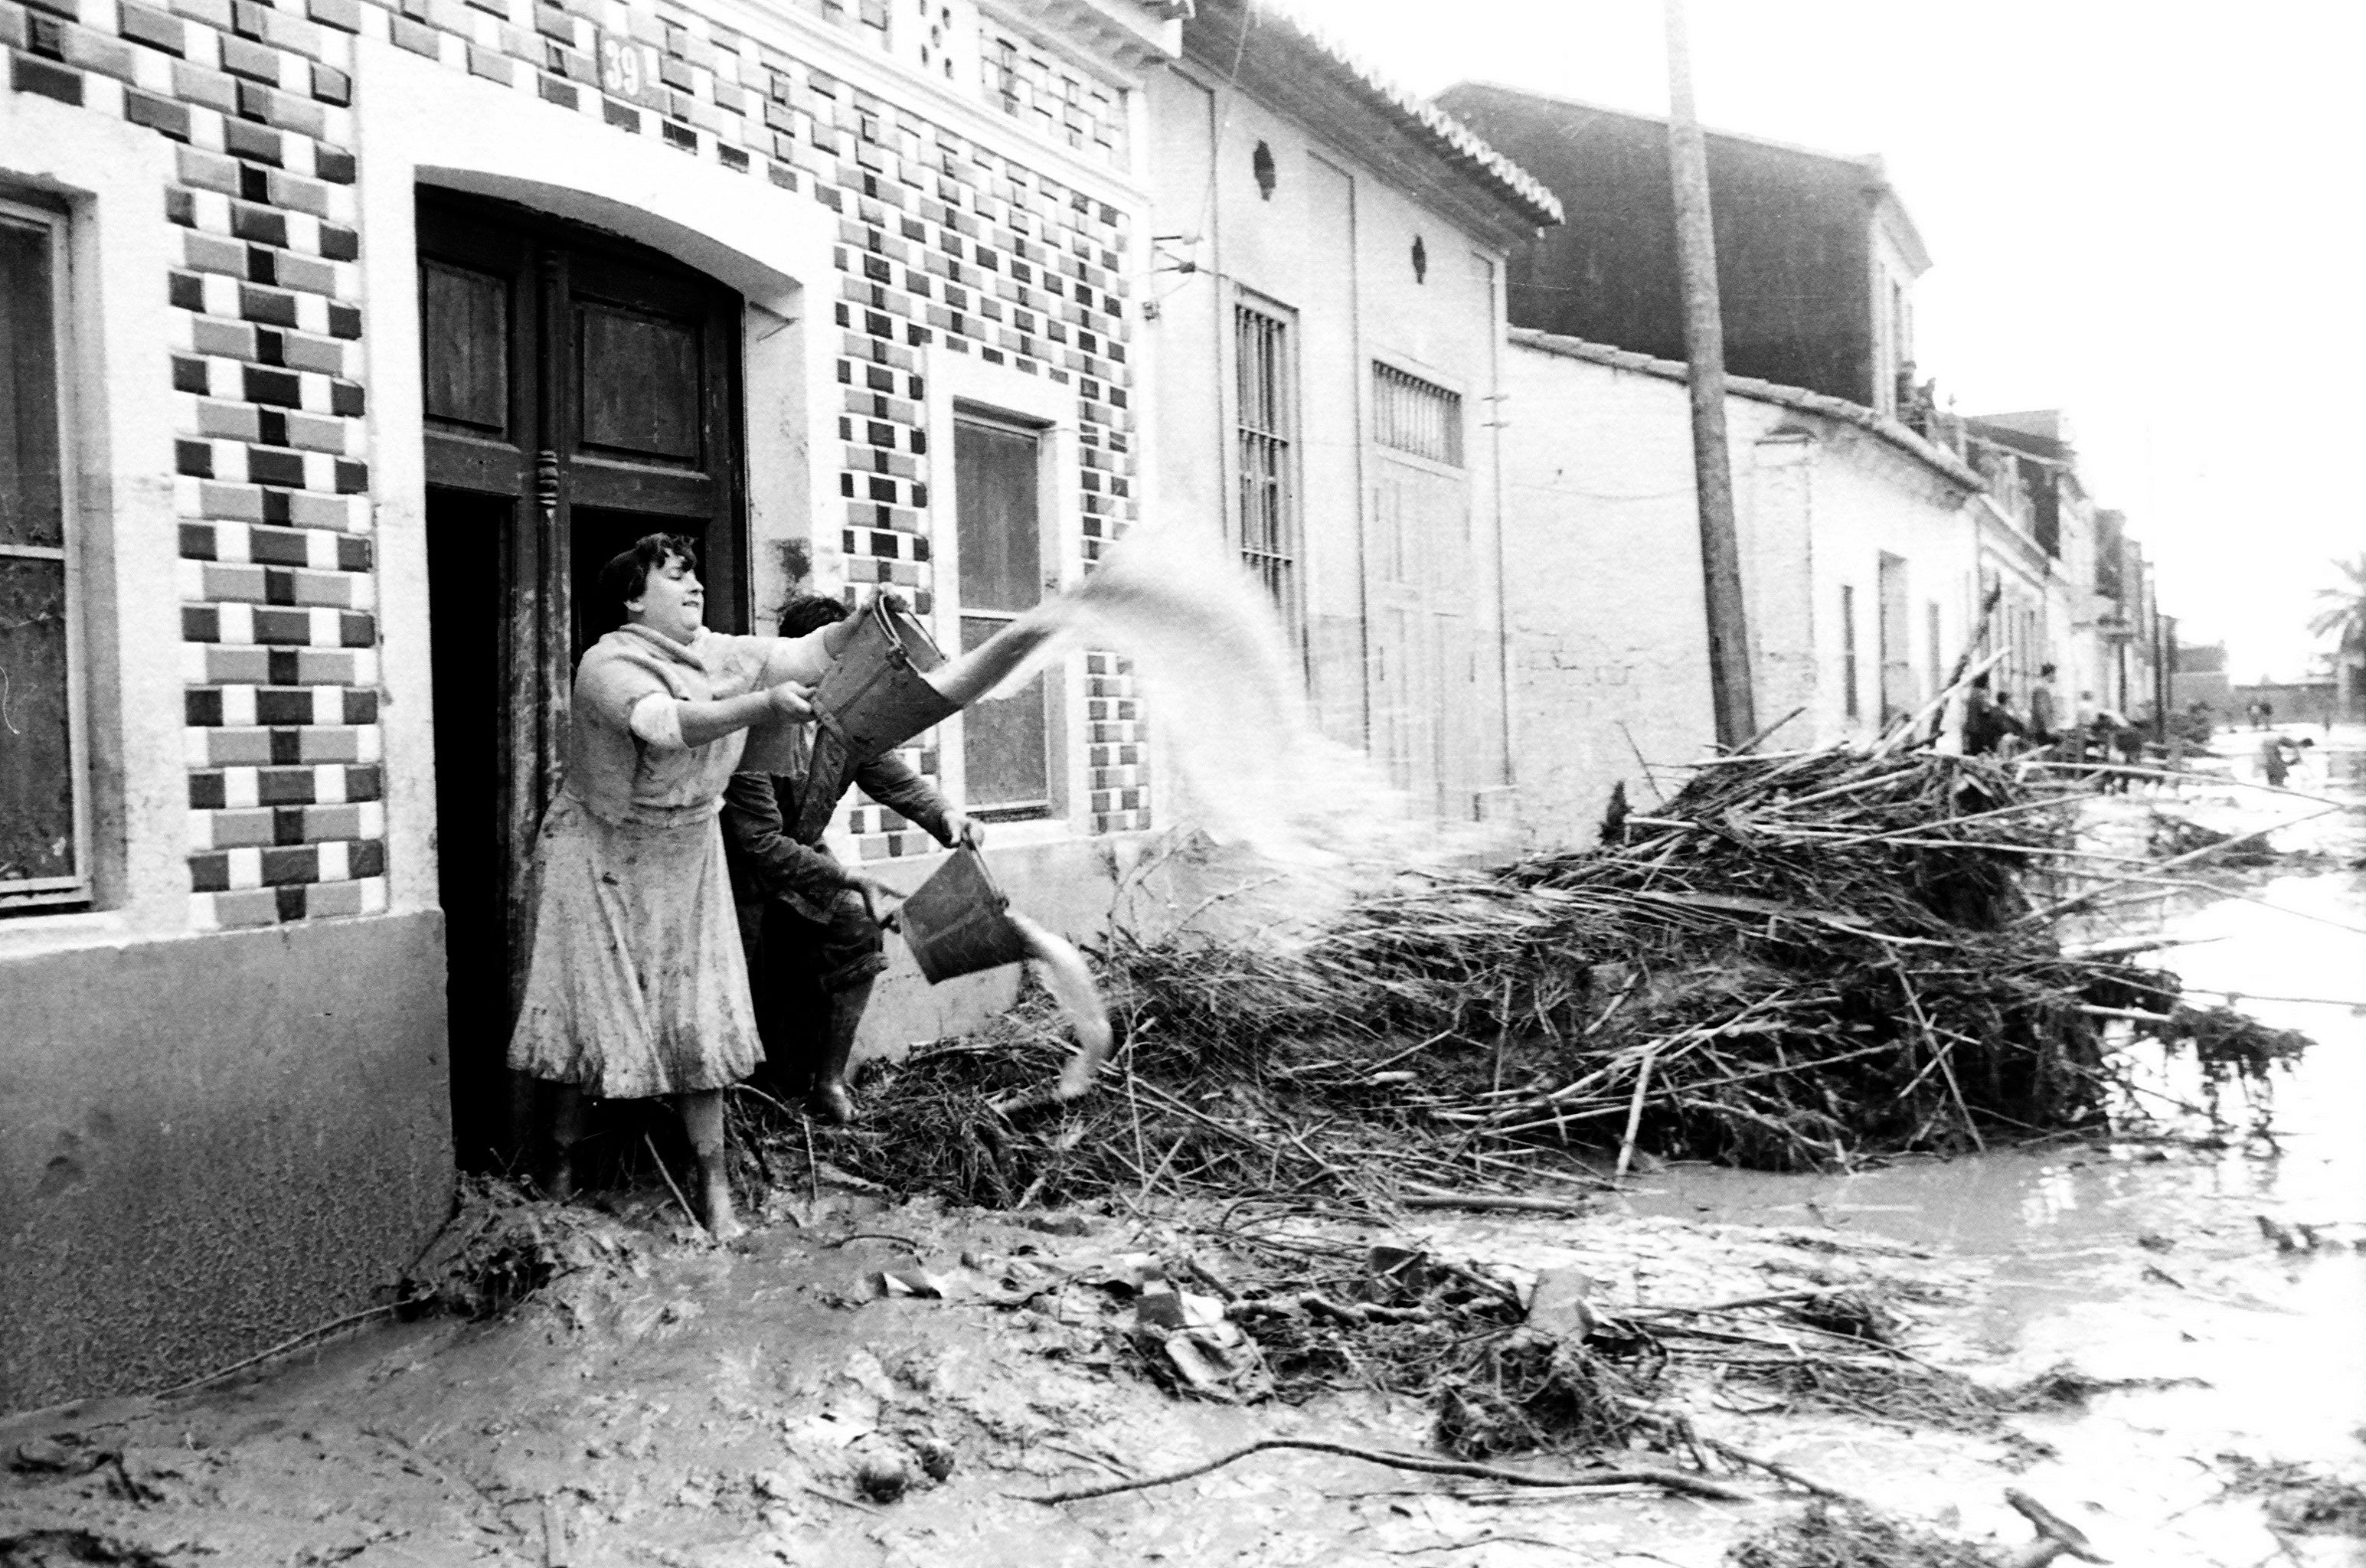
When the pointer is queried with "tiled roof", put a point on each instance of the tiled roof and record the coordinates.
(1447, 137)
(1882, 425)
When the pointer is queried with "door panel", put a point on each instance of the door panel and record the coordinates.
(464, 315)
(1005, 740)
(1425, 662)
(579, 392)
(995, 476)
(640, 380)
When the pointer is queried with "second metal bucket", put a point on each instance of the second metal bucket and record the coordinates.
(957, 923)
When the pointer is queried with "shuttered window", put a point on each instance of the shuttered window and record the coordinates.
(1416, 417)
(1268, 427)
(44, 857)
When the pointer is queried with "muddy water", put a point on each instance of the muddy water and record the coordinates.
(2148, 1259)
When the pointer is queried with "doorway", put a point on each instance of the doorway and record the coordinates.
(579, 391)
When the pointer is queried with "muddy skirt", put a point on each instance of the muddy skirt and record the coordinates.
(638, 984)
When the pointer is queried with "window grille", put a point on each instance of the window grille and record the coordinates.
(1412, 415)
(1268, 419)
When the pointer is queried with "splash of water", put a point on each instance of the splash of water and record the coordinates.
(1222, 684)
(1070, 981)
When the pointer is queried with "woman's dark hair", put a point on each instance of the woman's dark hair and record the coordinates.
(809, 613)
(621, 579)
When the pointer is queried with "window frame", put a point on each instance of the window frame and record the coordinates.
(1287, 434)
(967, 410)
(47, 895)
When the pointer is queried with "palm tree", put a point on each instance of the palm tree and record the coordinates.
(2343, 618)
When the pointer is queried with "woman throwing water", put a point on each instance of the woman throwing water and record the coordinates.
(636, 986)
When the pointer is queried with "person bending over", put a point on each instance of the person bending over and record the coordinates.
(810, 923)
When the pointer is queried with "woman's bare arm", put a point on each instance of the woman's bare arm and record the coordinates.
(704, 722)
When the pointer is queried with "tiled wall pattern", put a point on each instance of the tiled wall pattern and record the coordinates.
(945, 246)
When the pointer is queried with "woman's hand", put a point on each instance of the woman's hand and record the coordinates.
(964, 832)
(788, 700)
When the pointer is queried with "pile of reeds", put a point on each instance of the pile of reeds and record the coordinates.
(1798, 961)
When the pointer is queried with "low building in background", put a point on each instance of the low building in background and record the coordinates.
(1860, 564)
(2317, 703)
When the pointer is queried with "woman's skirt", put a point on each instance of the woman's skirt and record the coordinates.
(638, 984)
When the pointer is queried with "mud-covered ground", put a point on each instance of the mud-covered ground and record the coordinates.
(679, 1404)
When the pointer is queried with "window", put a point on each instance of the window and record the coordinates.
(1848, 651)
(1005, 740)
(1267, 418)
(44, 849)
(1412, 415)
(1930, 647)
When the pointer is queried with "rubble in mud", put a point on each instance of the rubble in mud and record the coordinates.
(2297, 1498)
(503, 1245)
(1837, 1536)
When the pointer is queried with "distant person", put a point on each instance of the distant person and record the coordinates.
(2042, 716)
(2276, 754)
(1987, 724)
(2082, 721)
(2109, 736)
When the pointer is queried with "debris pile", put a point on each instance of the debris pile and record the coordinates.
(502, 1246)
(1841, 1536)
(1800, 961)
(2297, 1499)
(2170, 837)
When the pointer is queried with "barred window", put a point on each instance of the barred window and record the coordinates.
(43, 853)
(1416, 416)
(1268, 421)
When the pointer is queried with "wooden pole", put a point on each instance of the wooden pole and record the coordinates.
(1728, 632)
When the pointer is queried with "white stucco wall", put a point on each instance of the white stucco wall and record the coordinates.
(1330, 250)
(1607, 621)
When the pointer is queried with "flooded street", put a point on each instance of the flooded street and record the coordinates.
(2146, 1260)
(674, 1404)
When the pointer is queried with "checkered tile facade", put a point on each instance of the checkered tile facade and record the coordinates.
(945, 245)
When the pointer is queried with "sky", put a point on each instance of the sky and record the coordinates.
(2146, 215)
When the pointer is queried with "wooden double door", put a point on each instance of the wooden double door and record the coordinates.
(579, 393)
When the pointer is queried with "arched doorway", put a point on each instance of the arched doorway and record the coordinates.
(579, 391)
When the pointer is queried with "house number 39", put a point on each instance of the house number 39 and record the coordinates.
(628, 70)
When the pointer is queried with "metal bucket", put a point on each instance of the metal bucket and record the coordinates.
(871, 701)
(955, 922)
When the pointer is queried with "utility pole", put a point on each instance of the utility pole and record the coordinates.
(1729, 631)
